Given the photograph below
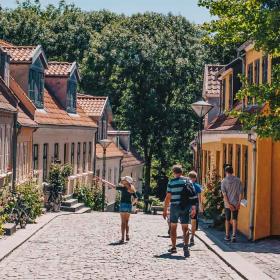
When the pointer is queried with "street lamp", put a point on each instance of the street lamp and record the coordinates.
(201, 108)
(104, 143)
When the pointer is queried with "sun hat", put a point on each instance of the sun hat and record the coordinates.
(128, 179)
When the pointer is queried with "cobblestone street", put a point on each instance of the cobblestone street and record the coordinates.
(84, 247)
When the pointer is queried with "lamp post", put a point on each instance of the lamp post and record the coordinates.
(104, 143)
(201, 108)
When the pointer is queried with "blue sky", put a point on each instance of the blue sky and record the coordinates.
(187, 8)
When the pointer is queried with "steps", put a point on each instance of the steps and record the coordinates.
(70, 204)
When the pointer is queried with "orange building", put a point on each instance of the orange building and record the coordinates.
(256, 161)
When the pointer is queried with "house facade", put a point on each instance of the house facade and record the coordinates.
(254, 160)
(54, 128)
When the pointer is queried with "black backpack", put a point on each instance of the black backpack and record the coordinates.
(188, 195)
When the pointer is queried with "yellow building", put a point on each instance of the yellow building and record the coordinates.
(256, 161)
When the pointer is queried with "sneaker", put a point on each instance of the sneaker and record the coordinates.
(227, 238)
(192, 241)
(173, 250)
(233, 239)
(186, 251)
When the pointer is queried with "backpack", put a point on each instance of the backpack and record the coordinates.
(188, 196)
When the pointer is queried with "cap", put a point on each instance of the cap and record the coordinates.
(128, 179)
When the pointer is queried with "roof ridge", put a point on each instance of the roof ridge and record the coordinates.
(82, 95)
(61, 62)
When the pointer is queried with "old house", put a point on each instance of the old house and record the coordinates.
(254, 160)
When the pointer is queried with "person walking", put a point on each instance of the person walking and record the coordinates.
(128, 199)
(173, 198)
(199, 208)
(232, 192)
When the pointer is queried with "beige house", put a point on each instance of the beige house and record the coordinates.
(131, 164)
(64, 132)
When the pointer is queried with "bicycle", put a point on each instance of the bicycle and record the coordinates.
(19, 213)
(54, 197)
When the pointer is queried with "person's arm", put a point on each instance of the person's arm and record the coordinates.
(231, 207)
(240, 196)
(166, 204)
(200, 202)
(135, 198)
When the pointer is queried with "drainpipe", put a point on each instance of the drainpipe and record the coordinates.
(14, 158)
(253, 191)
(94, 154)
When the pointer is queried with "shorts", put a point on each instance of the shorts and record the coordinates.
(125, 207)
(176, 214)
(196, 214)
(231, 214)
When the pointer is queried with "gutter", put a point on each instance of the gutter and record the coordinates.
(14, 148)
(253, 192)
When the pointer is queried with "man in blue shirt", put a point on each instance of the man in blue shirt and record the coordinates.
(173, 197)
(194, 221)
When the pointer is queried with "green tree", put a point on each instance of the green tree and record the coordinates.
(150, 65)
(256, 20)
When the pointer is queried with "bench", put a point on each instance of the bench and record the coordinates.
(155, 209)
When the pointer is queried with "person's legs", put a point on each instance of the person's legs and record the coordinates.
(173, 234)
(234, 225)
(227, 223)
(186, 234)
(185, 218)
(127, 226)
(123, 225)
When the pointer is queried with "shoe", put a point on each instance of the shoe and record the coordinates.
(233, 239)
(186, 251)
(121, 241)
(127, 238)
(227, 238)
(192, 241)
(172, 250)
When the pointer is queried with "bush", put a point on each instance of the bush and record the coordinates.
(90, 196)
(33, 198)
(213, 198)
(155, 201)
(59, 174)
(140, 204)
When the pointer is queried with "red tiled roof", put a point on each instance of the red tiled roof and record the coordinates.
(92, 105)
(111, 152)
(20, 53)
(129, 159)
(211, 86)
(5, 104)
(224, 122)
(4, 43)
(24, 120)
(58, 68)
(54, 114)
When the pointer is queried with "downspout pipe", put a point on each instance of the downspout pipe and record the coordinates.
(14, 157)
(253, 191)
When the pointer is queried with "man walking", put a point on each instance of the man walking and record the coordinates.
(173, 197)
(232, 192)
(194, 221)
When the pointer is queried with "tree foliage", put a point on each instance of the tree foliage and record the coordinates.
(259, 21)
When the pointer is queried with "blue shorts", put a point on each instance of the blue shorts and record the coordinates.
(176, 214)
(125, 207)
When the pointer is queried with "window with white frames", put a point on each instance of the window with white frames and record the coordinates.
(5, 147)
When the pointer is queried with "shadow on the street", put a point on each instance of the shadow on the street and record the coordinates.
(116, 243)
(163, 236)
(169, 256)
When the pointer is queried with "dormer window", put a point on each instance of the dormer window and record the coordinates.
(4, 67)
(36, 83)
(71, 101)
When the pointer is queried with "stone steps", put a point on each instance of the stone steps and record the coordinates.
(70, 204)
(9, 228)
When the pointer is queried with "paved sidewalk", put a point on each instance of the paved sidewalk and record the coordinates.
(264, 254)
(84, 247)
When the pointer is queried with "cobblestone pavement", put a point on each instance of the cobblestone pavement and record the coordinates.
(265, 254)
(84, 247)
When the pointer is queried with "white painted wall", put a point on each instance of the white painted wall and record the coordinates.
(52, 135)
(112, 164)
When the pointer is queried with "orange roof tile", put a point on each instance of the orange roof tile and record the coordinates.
(211, 86)
(129, 159)
(92, 105)
(111, 152)
(5, 104)
(54, 114)
(59, 68)
(24, 120)
(4, 43)
(20, 54)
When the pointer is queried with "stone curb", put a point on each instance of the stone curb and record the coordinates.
(240, 265)
(13, 242)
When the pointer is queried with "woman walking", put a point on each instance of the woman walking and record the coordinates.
(128, 199)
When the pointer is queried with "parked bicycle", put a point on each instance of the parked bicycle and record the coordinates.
(19, 213)
(54, 194)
